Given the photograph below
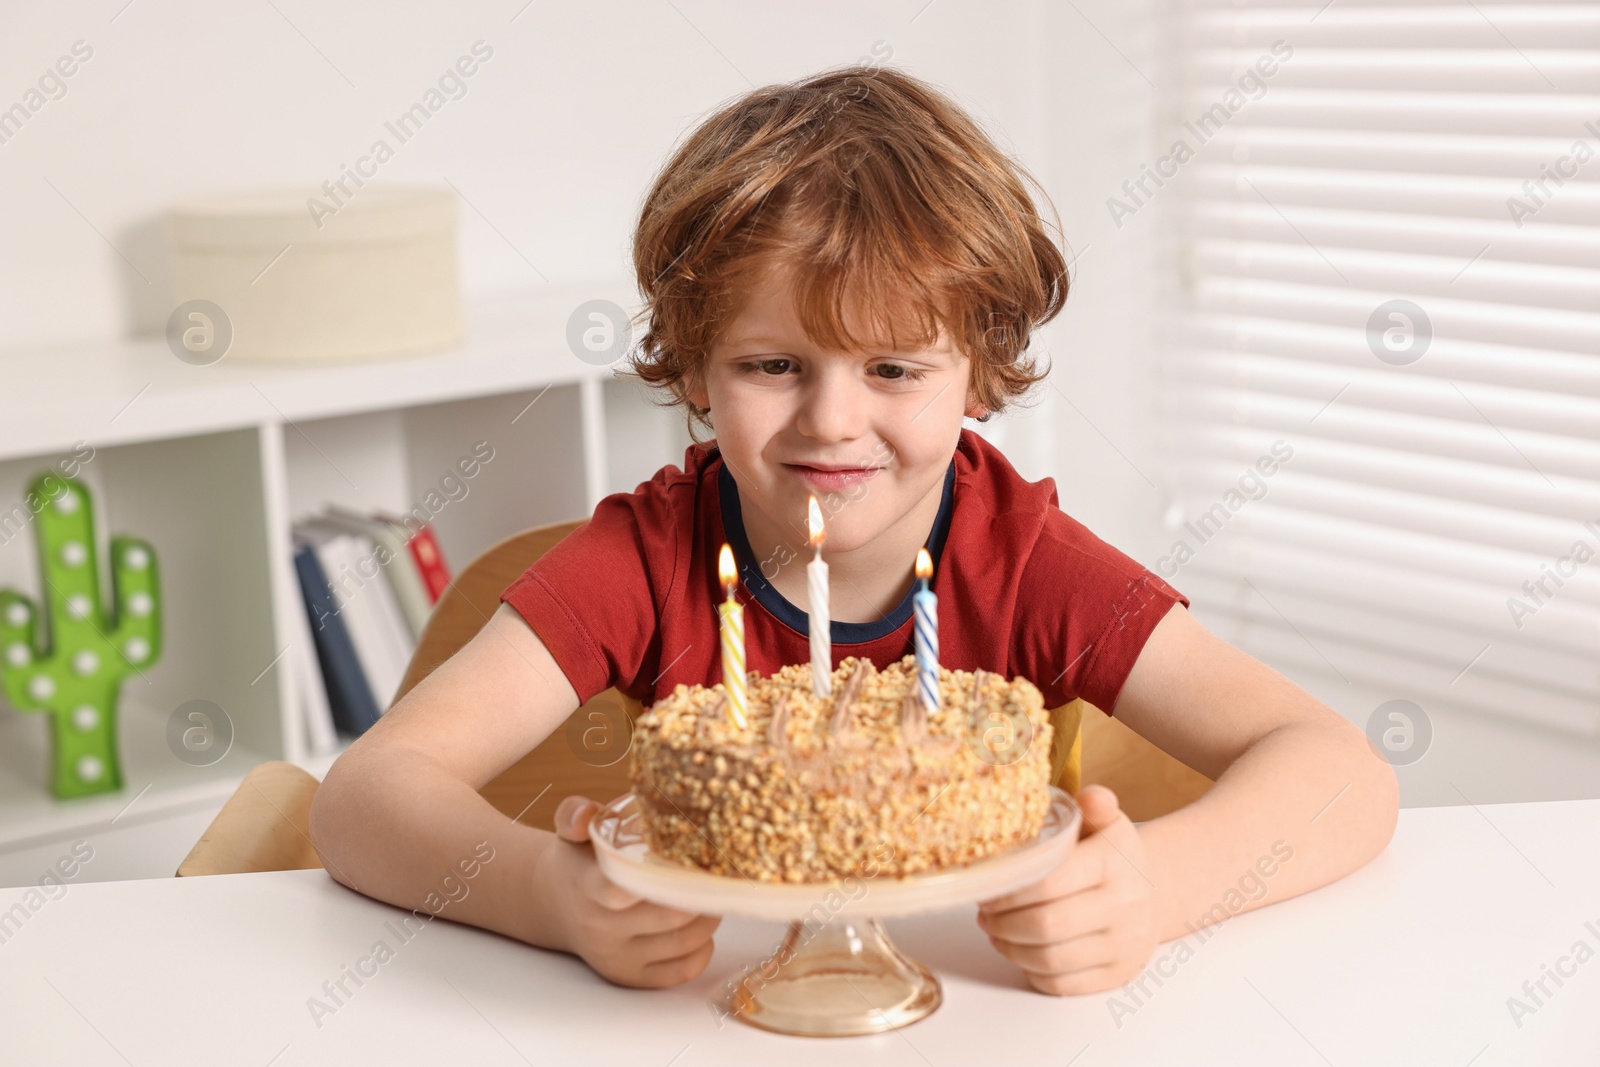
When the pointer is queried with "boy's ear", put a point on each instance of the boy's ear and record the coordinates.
(695, 390)
(975, 408)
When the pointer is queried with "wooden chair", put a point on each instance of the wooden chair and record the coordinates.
(264, 825)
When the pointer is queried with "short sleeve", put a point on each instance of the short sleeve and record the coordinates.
(1084, 612)
(592, 597)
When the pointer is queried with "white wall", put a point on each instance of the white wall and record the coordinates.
(554, 143)
(1102, 103)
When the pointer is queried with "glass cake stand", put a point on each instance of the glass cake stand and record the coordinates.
(836, 973)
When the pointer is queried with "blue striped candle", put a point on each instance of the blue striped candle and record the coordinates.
(927, 634)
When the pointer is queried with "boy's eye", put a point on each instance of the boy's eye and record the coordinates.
(902, 374)
(766, 365)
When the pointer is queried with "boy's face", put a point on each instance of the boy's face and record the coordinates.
(781, 406)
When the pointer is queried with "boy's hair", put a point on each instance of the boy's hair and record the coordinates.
(863, 180)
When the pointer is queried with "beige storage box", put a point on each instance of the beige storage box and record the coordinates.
(310, 277)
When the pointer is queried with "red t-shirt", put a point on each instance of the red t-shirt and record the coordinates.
(629, 598)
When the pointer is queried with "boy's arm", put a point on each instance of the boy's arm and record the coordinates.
(1290, 773)
(399, 812)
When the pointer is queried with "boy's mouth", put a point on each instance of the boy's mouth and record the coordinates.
(832, 478)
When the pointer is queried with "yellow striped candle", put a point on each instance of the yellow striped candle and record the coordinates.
(732, 613)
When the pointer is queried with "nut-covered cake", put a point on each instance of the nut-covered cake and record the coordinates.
(814, 788)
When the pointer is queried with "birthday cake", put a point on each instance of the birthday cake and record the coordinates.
(865, 781)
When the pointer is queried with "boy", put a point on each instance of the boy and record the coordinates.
(837, 272)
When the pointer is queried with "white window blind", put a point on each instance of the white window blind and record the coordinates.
(1445, 463)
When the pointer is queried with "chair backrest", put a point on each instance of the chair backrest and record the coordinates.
(586, 754)
(1148, 782)
(264, 825)
(1089, 747)
(474, 595)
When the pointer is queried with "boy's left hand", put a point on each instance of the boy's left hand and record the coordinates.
(1090, 925)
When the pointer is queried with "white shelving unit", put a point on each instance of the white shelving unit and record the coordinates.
(213, 464)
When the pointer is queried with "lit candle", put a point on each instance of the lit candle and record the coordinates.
(732, 612)
(817, 590)
(927, 634)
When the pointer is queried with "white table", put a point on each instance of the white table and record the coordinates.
(1408, 961)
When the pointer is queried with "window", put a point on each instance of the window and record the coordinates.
(1383, 399)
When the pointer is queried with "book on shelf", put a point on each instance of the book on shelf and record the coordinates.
(311, 694)
(349, 696)
(320, 735)
(397, 562)
(425, 553)
(367, 599)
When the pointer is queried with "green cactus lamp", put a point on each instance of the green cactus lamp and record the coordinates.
(69, 655)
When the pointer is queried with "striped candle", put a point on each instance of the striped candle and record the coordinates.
(927, 634)
(732, 613)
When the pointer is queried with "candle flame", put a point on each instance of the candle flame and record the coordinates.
(814, 523)
(726, 570)
(924, 564)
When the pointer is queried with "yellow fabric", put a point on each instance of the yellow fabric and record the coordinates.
(1066, 746)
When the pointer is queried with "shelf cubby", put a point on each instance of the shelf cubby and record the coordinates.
(213, 465)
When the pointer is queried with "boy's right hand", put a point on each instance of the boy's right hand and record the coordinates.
(626, 939)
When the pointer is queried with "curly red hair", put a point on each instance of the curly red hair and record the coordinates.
(862, 179)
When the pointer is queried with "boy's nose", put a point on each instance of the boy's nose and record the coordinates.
(833, 408)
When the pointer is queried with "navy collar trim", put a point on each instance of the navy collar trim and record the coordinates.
(843, 633)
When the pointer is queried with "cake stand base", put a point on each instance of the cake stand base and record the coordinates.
(843, 978)
(836, 973)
